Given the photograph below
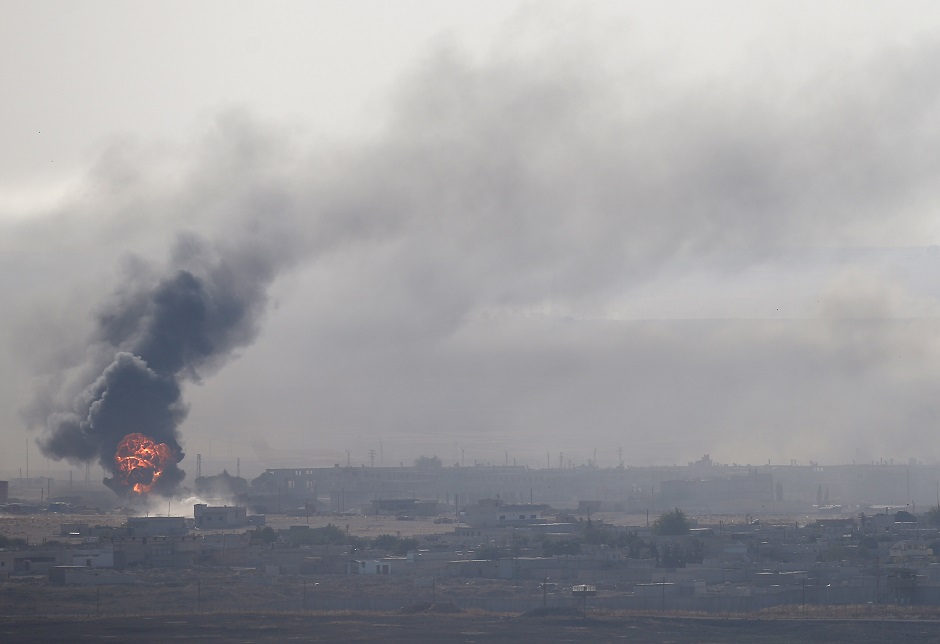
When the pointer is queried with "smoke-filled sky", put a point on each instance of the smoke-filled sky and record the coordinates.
(478, 230)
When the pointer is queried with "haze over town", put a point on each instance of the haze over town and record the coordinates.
(490, 232)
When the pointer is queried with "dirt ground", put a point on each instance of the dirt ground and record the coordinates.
(39, 527)
(457, 628)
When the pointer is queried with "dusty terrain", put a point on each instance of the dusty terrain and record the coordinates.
(37, 527)
(246, 606)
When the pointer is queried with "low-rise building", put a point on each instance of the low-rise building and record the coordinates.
(209, 517)
(911, 552)
(30, 561)
(175, 551)
(93, 557)
(493, 513)
(85, 576)
(374, 566)
(157, 526)
(405, 507)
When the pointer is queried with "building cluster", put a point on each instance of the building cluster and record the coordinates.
(871, 538)
(702, 487)
(867, 558)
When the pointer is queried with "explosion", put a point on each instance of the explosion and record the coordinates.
(139, 462)
(158, 332)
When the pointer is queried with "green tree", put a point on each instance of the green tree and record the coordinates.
(394, 545)
(428, 461)
(672, 556)
(405, 545)
(386, 542)
(491, 553)
(264, 483)
(633, 543)
(327, 535)
(223, 484)
(933, 516)
(264, 535)
(596, 535)
(11, 542)
(550, 548)
(672, 523)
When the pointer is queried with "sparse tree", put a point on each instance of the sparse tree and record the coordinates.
(672, 523)
(386, 542)
(405, 545)
(428, 461)
(11, 542)
(489, 553)
(551, 548)
(394, 545)
(264, 483)
(266, 535)
(224, 485)
(672, 556)
(933, 516)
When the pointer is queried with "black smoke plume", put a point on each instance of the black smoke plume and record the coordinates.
(157, 332)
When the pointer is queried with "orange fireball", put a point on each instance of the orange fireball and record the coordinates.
(140, 461)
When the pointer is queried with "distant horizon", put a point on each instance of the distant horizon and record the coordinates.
(250, 466)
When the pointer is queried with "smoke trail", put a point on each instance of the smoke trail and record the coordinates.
(161, 331)
(503, 185)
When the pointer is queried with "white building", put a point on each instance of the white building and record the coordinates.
(93, 558)
(492, 513)
(374, 566)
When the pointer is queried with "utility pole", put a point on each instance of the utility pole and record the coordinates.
(907, 476)
(877, 581)
(515, 562)
(198, 466)
(372, 457)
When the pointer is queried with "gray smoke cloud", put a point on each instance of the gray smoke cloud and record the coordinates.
(460, 264)
(162, 329)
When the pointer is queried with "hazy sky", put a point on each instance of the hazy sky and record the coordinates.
(484, 228)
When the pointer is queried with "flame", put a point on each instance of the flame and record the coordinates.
(140, 461)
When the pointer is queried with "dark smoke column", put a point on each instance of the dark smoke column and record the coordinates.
(157, 332)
